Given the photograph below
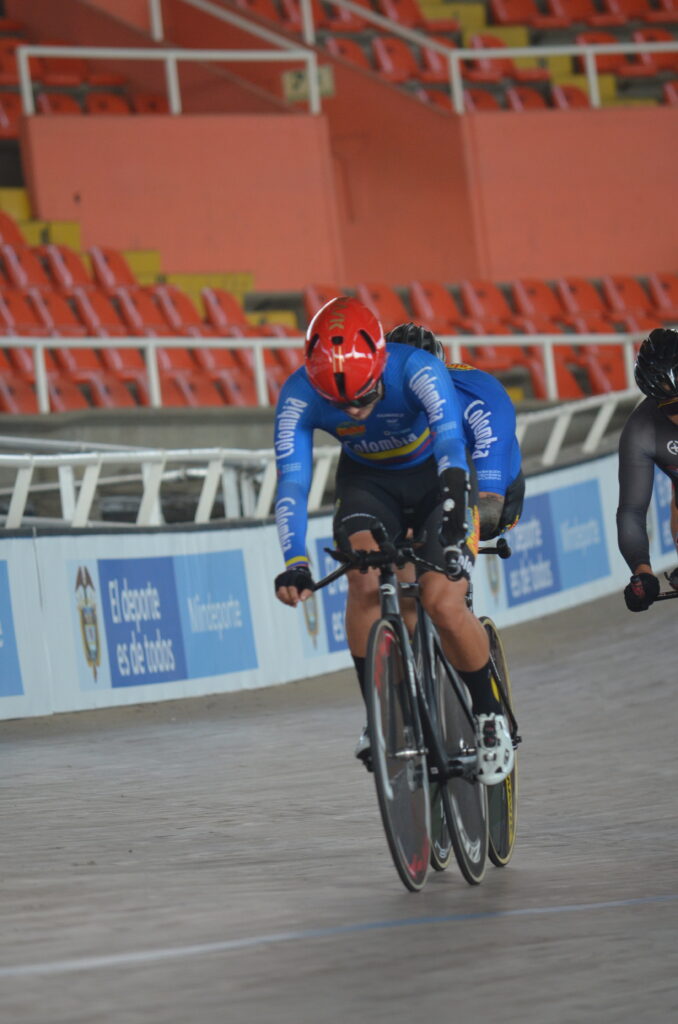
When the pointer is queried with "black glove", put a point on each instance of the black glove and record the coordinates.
(298, 576)
(641, 592)
(672, 577)
(454, 486)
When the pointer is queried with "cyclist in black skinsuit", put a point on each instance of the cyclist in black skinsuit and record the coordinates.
(649, 439)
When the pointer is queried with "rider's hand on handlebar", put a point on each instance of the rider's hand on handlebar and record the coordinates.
(641, 591)
(454, 486)
(294, 585)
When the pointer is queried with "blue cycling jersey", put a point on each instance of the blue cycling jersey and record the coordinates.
(418, 417)
(489, 421)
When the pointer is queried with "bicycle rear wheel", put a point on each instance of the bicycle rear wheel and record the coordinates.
(398, 758)
(464, 798)
(502, 798)
(441, 841)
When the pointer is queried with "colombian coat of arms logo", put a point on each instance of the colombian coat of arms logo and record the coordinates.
(85, 595)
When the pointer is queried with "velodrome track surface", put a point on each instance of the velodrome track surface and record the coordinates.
(222, 859)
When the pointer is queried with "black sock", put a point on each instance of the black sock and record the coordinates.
(482, 695)
(360, 671)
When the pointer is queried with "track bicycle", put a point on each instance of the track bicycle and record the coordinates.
(422, 732)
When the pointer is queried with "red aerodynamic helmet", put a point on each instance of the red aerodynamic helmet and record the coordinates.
(345, 352)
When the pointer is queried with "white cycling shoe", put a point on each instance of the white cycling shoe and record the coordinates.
(496, 755)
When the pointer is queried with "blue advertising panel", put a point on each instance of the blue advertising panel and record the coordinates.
(532, 571)
(215, 613)
(333, 598)
(580, 533)
(141, 617)
(10, 672)
(662, 498)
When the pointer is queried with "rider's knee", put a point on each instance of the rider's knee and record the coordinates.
(363, 587)
(445, 602)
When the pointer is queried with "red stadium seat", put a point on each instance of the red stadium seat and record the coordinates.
(349, 50)
(565, 97)
(222, 310)
(222, 367)
(64, 394)
(484, 302)
(576, 12)
(55, 314)
(129, 366)
(143, 103)
(65, 268)
(142, 314)
(188, 384)
(111, 270)
(625, 65)
(97, 311)
(524, 12)
(625, 294)
(476, 100)
(434, 307)
(16, 396)
(409, 14)
(8, 69)
(435, 65)
(660, 61)
(538, 302)
(523, 97)
(57, 103)
(385, 303)
(670, 93)
(180, 314)
(637, 10)
(84, 367)
(394, 59)
(105, 103)
(317, 295)
(489, 69)
(9, 231)
(663, 289)
(23, 269)
(17, 316)
(334, 19)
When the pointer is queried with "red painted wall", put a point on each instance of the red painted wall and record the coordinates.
(211, 193)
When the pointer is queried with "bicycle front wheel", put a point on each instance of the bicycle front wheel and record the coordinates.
(502, 798)
(464, 798)
(398, 758)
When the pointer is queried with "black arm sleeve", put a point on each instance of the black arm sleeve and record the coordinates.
(636, 478)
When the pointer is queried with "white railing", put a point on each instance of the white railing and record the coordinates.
(256, 346)
(170, 58)
(247, 479)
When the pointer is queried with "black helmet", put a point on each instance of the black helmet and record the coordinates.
(656, 369)
(418, 337)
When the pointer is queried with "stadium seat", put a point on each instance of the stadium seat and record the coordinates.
(10, 115)
(538, 302)
(434, 306)
(187, 383)
(670, 93)
(502, 67)
(129, 366)
(61, 72)
(576, 12)
(64, 394)
(385, 303)
(565, 97)
(582, 301)
(97, 311)
(141, 313)
(334, 19)
(625, 65)
(65, 268)
(485, 303)
(523, 97)
(180, 314)
(222, 310)
(505, 358)
(524, 12)
(660, 61)
(410, 14)
(17, 316)
(57, 103)
(663, 290)
(349, 50)
(23, 269)
(394, 59)
(625, 294)
(105, 103)
(435, 66)
(9, 231)
(637, 10)
(111, 270)
(55, 314)
(16, 396)
(476, 100)
(146, 103)
(265, 9)
(222, 367)
(83, 366)
(317, 295)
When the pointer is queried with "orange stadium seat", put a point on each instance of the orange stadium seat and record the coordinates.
(64, 394)
(660, 61)
(385, 303)
(129, 366)
(17, 316)
(146, 103)
(663, 289)
(179, 312)
(484, 302)
(10, 115)
(222, 367)
(477, 100)
(8, 69)
(504, 67)
(394, 59)
(141, 314)
(625, 294)
(106, 103)
(16, 396)
(349, 50)
(83, 366)
(503, 358)
(57, 103)
(435, 67)
(524, 12)
(317, 295)
(564, 96)
(409, 14)
(576, 12)
(185, 381)
(23, 269)
(97, 311)
(670, 93)
(434, 307)
(523, 97)
(9, 231)
(110, 269)
(334, 19)
(625, 65)
(222, 310)
(581, 299)
(537, 301)
(636, 10)
(65, 268)
(55, 314)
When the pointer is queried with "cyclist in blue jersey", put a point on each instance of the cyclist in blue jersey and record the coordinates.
(404, 460)
(489, 421)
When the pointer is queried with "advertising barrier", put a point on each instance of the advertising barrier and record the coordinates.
(92, 619)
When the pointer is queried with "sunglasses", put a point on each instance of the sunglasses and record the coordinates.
(361, 401)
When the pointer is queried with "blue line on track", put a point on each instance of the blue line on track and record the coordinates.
(91, 963)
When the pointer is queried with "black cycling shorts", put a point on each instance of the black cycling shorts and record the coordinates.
(402, 499)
